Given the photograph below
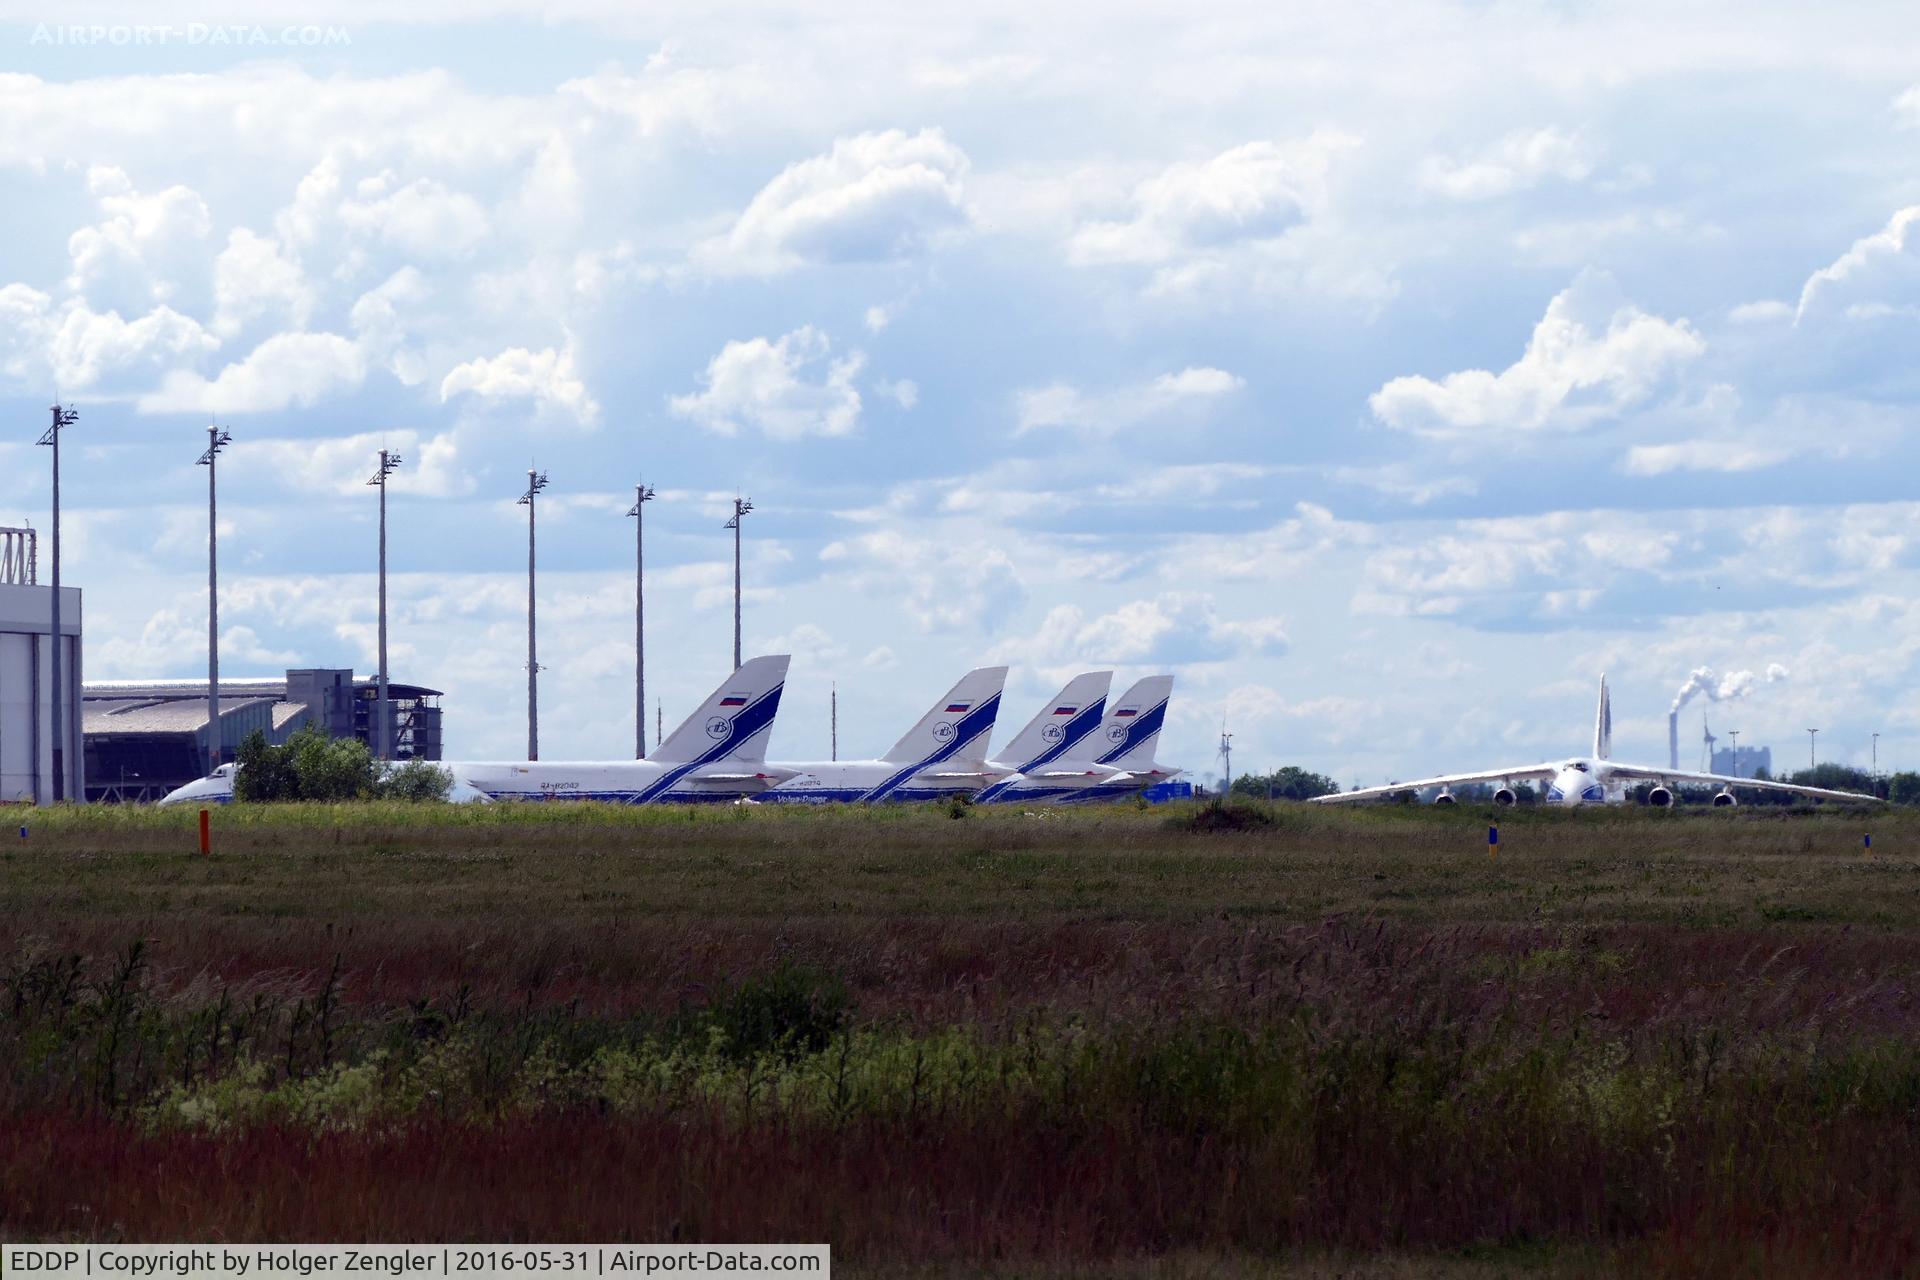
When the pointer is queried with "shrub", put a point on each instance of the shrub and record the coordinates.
(415, 780)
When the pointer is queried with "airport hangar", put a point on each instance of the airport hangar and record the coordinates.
(146, 737)
(26, 677)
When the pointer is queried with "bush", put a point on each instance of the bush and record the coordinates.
(312, 766)
(415, 780)
(1220, 814)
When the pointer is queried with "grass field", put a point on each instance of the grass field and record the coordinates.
(1102, 1043)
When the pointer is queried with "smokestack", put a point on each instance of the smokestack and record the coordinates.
(1673, 739)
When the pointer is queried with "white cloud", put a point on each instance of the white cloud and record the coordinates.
(942, 584)
(253, 280)
(79, 349)
(1906, 108)
(904, 392)
(1515, 163)
(547, 377)
(762, 384)
(1859, 279)
(1763, 311)
(1178, 627)
(423, 218)
(380, 318)
(1591, 357)
(142, 246)
(430, 465)
(1702, 455)
(1252, 192)
(875, 197)
(286, 369)
(1061, 405)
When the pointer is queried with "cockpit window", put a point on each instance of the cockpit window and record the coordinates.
(1579, 765)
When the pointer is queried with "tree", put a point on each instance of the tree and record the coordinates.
(312, 766)
(416, 780)
(1286, 783)
(1904, 788)
(264, 772)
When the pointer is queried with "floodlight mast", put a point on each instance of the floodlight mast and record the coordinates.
(383, 708)
(740, 509)
(642, 494)
(536, 481)
(1812, 735)
(217, 439)
(62, 417)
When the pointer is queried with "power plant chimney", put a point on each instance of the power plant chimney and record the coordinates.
(1673, 740)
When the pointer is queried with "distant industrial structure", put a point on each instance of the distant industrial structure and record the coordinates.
(28, 708)
(1744, 762)
(144, 738)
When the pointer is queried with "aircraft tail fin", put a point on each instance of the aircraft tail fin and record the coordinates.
(956, 727)
(734, 722)
(1603, 725)
(1131, 730)
(1062, 723)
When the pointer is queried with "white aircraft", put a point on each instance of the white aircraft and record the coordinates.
(1041, 763)
(1129, 735)
(717, 754)
(217, 788)
(1594, 779)
(943, 754)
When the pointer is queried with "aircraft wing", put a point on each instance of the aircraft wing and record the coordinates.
(1446, 780)
(1722, 780)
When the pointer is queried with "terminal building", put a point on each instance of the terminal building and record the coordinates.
(29, 746)
(146, 737)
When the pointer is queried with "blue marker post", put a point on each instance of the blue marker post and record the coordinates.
(23, 833)
(1493, 841)
(1867, 841)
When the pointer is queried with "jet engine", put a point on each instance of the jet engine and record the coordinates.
(1445, 797)
(1724, 800)
(1504, 796)
(1660, 798)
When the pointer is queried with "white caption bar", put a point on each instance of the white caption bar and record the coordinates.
(455, 1262)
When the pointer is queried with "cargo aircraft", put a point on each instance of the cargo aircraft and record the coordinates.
(1047, 759)
(1592, 779)
(1125, 744)
(943, 755)
(718, 754)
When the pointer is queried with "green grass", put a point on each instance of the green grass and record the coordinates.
(1109, 1042)
(582, 862)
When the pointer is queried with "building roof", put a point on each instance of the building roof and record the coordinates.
(231, 686)
(171, 715)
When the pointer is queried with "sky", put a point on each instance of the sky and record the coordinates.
(1387, 372)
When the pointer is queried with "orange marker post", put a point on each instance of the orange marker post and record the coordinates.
(206, 834)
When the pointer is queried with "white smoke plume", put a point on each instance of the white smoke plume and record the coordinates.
(1717, 688)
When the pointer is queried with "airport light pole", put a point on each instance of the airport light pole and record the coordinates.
(834, 729)
(642, 494)
(1876, 755)
(383, 709)
(1226, 754)
(740, 509)
(1811, 735)
(1735, 735)
(217, 439)
(62, 417)
(536, 481)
